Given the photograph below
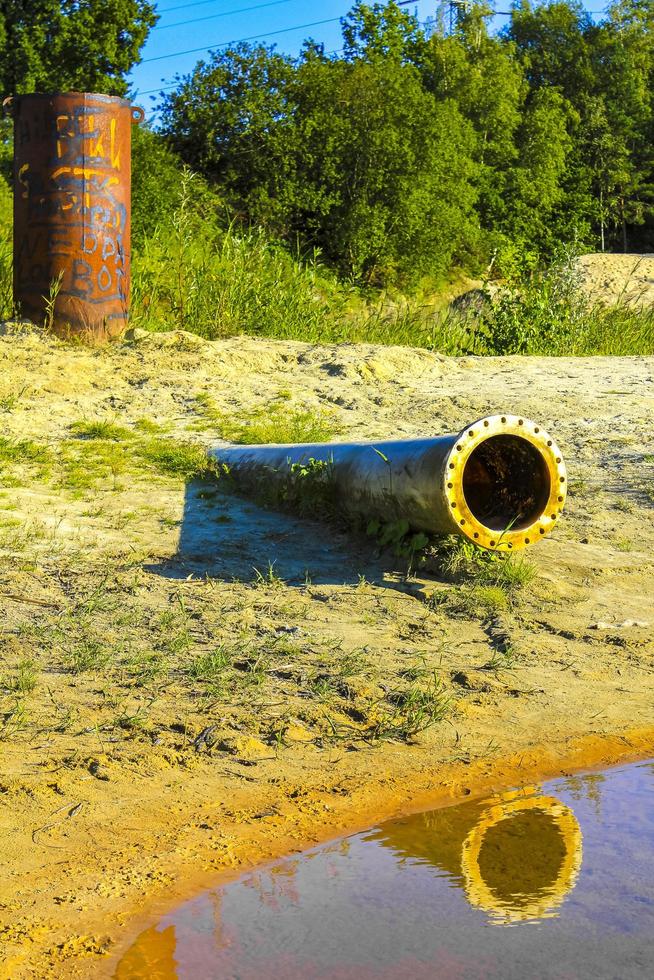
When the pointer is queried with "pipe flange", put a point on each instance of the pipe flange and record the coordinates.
(546, 498)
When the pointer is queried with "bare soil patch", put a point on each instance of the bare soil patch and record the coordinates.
(610, 279)
(189, 684)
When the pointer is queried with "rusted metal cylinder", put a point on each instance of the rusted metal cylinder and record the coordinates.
(72, 173)
(500, 482)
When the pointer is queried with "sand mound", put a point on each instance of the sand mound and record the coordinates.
(191, 684)
(611, 279)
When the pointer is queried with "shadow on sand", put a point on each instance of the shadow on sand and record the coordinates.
(225, 536)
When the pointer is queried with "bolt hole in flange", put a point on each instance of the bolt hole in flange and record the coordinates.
(506, 483)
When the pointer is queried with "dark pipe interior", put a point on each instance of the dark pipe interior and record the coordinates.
(506, 483)
(521, 857)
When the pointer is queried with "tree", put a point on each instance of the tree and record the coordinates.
(381, 29)
(352, 157)
(625, 83)
(60, 45)
(156, 185)
(536, 182)
(609, 165)
(389, 167)
(416, 149)
(554, 42)
(605, 72)
(230, 120)
(485, 79)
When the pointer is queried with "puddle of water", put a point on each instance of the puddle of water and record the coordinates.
(551, 881)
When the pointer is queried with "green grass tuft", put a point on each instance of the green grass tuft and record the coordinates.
(23, 680)
(101, 429)
(23, 451)
(273, 423)
(173, 457)
(106, 451)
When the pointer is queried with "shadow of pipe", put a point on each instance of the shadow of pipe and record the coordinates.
(225, 536)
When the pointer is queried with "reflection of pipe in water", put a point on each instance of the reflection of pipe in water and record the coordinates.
(501, 481)
(515, 856)
(517, 883)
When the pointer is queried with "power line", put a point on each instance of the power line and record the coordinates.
(225, 13)
(203, 3)
(225, 44)
(166, 88)
(253, 37)
(239, 40)
(183, 6)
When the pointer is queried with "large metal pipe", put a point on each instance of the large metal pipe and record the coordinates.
(501, 481)
(72, 172)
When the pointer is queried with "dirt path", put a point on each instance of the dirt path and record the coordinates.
(167, 713)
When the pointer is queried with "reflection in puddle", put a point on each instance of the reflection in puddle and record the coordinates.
(416, 897)
(516, 856)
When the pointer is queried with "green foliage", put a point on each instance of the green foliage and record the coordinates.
(604, 73)
(61, 45)
(303, 488)
(416, 150)
(310, 489)
(234, 109)
(463, 561)
(156, 183)
(487, 83)
(413, 154)
(193, 275)
(548, 315)
(399, 537)
(380, 29)
(355, 157)
(387, 193)
(166, 198)
(216, 282)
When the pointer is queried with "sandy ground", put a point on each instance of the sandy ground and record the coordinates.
(610, 278)
(171, 710)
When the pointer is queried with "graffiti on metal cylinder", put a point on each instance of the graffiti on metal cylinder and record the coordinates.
(72, 207)
(79, 192)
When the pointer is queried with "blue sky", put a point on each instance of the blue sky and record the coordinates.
(185, 25)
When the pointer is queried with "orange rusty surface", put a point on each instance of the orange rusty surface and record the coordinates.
(72, 173)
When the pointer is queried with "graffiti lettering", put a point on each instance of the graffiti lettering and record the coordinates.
(73, 207)
(82, 284)
(83, 136)
(104, 279)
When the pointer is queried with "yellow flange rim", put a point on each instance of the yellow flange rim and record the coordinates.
(538, 906)
(467, 441)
